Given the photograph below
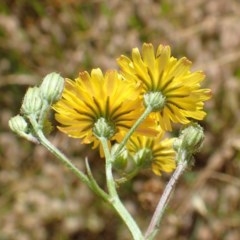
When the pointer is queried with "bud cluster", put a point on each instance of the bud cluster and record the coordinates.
(36, 103)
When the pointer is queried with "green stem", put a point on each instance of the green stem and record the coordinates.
(94, 185)
(115, 201)
(63, 159)
(153, 227)
(147, 111)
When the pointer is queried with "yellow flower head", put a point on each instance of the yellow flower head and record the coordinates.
(160, 154)
(159, 72)
(97, 102)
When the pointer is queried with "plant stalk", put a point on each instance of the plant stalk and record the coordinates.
(114, 198)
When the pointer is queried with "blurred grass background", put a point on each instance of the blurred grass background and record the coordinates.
(39, 198)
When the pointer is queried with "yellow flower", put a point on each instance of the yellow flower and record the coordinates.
(153, 151)
(182, 97)
(97, 102)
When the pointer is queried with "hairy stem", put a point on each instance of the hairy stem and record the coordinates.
(162, 204)
(147, 111)
(63, 159)
(115, 201)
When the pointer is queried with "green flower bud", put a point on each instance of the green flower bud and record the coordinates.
(18, 124)
(177, 143)
(192, 138)
(32, 103)
(143, 158)
(103, 129)
(154, 99)
(52, 87)
(121, 160)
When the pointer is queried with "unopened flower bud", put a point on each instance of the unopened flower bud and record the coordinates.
(121, 160)
(32, 103)
(192, 137)
(154, 99)
(52, 87)
(177, 144)
(103, 128)
(18, 124)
